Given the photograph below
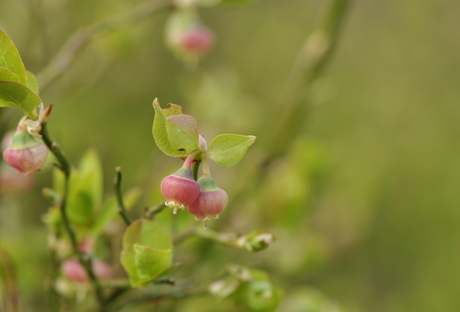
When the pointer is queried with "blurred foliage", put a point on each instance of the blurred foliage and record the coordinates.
(365, 203)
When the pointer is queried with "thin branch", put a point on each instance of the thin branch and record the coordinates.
(121, 205)
(64, 166)
(64, 58)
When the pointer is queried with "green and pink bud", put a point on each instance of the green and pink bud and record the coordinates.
(210, 202)
(180, 189)
(26, 153)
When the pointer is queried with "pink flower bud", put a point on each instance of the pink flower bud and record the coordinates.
(180, 189)
(73, 270)
(86, 245)
(197, 40)
(102, 270)
(211, 201)
(26, 154)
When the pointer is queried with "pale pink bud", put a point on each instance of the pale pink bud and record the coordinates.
(26, 154)
(180, 189)
(210, 202)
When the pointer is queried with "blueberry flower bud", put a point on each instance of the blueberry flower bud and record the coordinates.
(187, 37)
(26, 153)
(180, 189)
(211, 201)
(197, 40)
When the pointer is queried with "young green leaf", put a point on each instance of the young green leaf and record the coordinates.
(228, 149)
(147, 252)
(10, 58)
(175, 134)
(14, 94)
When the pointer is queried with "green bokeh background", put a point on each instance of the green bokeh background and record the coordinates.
(365, 205)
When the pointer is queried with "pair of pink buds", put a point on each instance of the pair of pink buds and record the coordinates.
(203, 198)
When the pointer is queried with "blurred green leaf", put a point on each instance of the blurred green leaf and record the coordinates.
(90, 165)
(147, 252)
(10, 58)
(14, 94)
(80, 203)
(85, 190)
(229, 149)
(32, 82)
(175, 134)
(259, 294)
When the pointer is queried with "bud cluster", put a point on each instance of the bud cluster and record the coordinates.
(203, 198)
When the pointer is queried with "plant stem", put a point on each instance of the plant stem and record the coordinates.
(196, 169)
(62, 60)
(205, 165)
(121, 205)
(64, 166)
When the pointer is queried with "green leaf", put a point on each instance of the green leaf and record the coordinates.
(150, 261)
(147, 252)
(8, 75)
(228, 149)
(175, 134)
(14, 94)
(32, 82)
(10, 58)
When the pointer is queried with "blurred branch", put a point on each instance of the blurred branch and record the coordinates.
(61, 62)
(64, 166)
(307, 67)
(121, 205)
(253, 242)
(10, 292)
